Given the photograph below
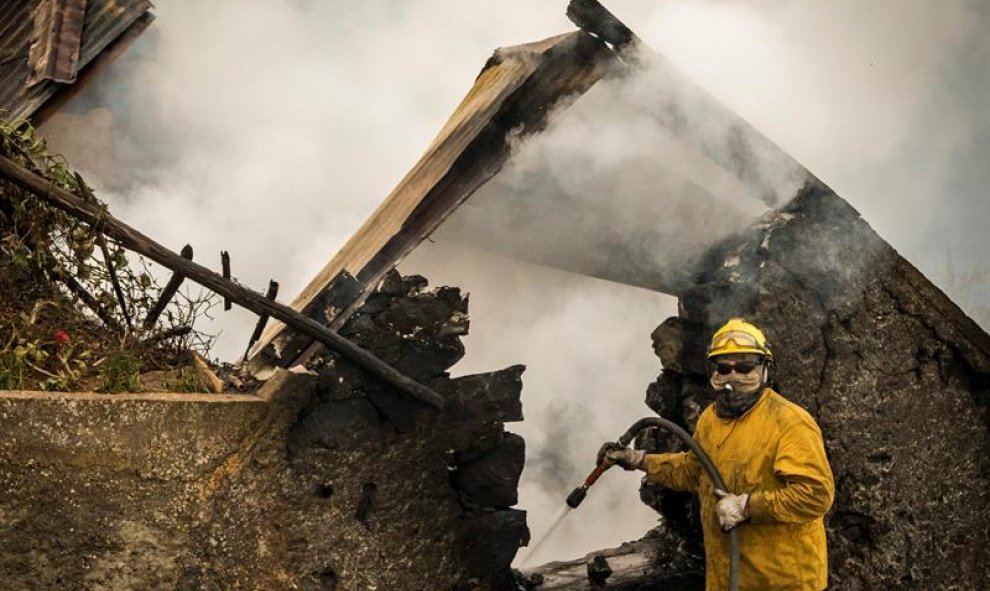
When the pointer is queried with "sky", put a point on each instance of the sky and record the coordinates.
(272, 129)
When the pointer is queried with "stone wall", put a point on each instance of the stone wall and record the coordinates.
(894, 373)
(324, 480)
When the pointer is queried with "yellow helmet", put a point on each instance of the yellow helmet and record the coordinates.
(739, 336)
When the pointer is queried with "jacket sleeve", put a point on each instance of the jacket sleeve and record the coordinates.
(678, 471)
(802, 469)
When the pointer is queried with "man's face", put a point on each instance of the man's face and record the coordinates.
(744, 371)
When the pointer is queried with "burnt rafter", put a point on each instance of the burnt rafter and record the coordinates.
(132, 239)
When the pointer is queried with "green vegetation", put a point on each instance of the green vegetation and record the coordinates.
(63, 323)
(120, 372)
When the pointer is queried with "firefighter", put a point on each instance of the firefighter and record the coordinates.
(770, 454)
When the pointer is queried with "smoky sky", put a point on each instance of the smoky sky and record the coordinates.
(272, 129)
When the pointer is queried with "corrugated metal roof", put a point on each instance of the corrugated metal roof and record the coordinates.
(55, 41)
(105, 20)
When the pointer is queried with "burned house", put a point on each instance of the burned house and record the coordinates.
(330, 477)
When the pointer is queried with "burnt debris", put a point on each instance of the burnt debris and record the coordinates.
(435, 490)
(598, 570)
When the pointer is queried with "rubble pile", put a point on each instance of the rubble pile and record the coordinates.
(894, 373)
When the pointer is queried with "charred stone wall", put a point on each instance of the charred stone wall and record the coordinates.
(327, 480)
(894, 373)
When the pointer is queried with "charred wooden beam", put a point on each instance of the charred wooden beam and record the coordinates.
(225, 269)
(657, 562)
(259, 328)
(591, 16)
(132, 239)
(171, 288)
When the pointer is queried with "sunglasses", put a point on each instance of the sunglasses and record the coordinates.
(726, 368)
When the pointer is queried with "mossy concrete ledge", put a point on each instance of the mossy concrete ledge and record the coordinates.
(121, 491)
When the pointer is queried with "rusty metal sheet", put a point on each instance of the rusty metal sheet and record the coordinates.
(53, 52)
(104, 22)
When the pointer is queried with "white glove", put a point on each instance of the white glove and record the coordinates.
(612, 454)
(731, 509)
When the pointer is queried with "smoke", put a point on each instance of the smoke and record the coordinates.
(885, 101)
(586, 344)
(273, 129)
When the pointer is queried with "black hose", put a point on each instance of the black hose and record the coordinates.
(674, 428)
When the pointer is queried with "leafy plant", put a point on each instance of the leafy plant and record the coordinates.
(11, 371)
(120, 372)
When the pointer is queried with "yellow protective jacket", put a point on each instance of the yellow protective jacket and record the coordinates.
(775, 453)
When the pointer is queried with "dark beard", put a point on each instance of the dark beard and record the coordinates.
(730, 404)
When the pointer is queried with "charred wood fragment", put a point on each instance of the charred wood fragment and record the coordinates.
(225, 270)
(591, 16)
(598, 570)
(259, 328)
(171, 288)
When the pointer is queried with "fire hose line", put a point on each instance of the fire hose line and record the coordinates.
(575, 498)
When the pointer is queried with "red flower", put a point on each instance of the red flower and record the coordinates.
(61, 337)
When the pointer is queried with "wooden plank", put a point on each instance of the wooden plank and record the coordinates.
(133, 240)
(636, 566)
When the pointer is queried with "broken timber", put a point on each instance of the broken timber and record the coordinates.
(257, 303)
(171, 288)
(636, 566)
(259, 328)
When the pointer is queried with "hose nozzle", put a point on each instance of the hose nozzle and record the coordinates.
(577, 496)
